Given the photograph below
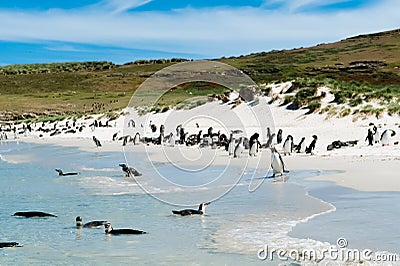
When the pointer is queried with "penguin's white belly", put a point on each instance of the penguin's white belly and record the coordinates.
(172, 141)
(239, 150)
(376, 136)
(276, 163)
(385, 139)
(231, 148)
(287, 146)
(253, 149)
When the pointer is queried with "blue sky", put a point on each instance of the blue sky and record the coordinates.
(121, 31)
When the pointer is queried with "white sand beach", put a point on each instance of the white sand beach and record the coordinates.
(363, 167)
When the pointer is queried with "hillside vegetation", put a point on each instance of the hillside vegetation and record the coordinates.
(357, 69)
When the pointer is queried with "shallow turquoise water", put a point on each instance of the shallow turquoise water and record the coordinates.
(235, 227)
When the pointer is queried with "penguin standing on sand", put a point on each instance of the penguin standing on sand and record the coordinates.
(370, 137)
(96, 141)
(310, 148)
(377, 136)
(238, 149)
(387, 136)
(254, 144)
(288, 145)
(136, 139)
(301, 147)
(171, 139)
(231, 145)
(270, 140)
(279, 136)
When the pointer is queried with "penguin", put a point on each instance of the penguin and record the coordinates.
(111, 231)
(370, 137)
(270, 140)
(254, 144)
(126, 138)
(136, 139)
(386, 136)
(9, 244)
(239, 148)
(301, 147)
(30, 214)
(92, 224)
(277, 164)
(310, 148)
(171, 139)
(129, 171)
(96, 141)
(61, 173)
(279, 137)
(200, 211)
(231, 145)
(377, 136)
(288, 145)
(268, 133)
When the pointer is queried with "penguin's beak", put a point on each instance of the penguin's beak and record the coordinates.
(206, 203)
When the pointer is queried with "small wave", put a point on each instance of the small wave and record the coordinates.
(99, 169)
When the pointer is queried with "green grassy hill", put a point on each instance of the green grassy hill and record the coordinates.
(357, 69)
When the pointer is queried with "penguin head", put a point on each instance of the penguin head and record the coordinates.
(202, 206)
(59, 171)
(78, 221)
(108, 228)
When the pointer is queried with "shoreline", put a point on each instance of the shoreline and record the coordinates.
(354, 170)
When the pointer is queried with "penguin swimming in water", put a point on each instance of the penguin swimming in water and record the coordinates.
(30, 214)
(301, 147)
(61, 173)
(277, 164)
(129, 171)
(386, 136)
(200, 211)
(239, 148)
(288, 145)
(92, 224)
(9, 244)
(111, 231)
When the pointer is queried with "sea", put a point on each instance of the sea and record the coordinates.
(243, 225)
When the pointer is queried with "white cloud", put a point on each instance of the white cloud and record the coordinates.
(212, 32)
(119, 6)
(295, 5)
